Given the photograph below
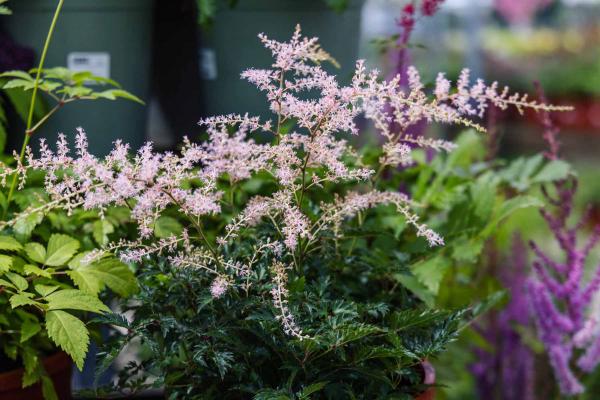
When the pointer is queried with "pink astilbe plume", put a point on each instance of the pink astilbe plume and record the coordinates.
(299, 162)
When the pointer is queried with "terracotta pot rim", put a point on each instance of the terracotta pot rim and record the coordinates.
(54, 363)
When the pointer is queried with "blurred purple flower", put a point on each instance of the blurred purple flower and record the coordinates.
(558, 297)
(13, 56)
(430, 7)
(508, 371)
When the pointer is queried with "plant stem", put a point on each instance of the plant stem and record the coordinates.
(28, 131)
(45, 118)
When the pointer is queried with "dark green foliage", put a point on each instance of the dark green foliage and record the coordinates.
(199, 347)
(373, 302)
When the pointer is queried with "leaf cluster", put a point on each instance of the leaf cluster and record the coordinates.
(47, 292)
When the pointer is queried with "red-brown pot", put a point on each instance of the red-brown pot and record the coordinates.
(59, 367)
(428, 379)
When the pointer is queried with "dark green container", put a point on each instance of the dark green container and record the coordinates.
(231, 45)
(89, 31)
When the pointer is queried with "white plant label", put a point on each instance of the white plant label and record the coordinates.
(208, 64)
(98, 63)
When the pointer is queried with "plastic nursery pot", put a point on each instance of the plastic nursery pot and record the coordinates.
(59, 368)
(428, 379)
(111, 38)
(230, 45)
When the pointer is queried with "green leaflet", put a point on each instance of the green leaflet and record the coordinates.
(102, 228)
(431, 272)
(45, 290)
(33, 366)
(31, 269)
(507, 208)
(305, 393)
(24, 226)
(9, 243)
(167, 226)
(19, 282)
(48, 388)
(69, 333)
(21, 299)
(412, 283)
(73, 299)
(553, 171)
(36, 252)
(109, 272)
(61, 248)
(29, 329)
(5, 263)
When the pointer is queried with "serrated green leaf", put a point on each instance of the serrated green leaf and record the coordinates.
(507, 208)
(17, 74)
(113, 94)
(48, 390)
(61, 248)
(167, 226)
(18, 83)
(106, 272)
(417, 288)
(69, 333)
(73, 299)
(60, 73)
(7, 284)
(466, 249)
(81, 76)
(85, 281)
(76, 262)
(101, 229)
(17, 265)
(431, 272)
(25, 225)
(553, 171)
(9, 243)
(19, 282)
(75, 91)
(32, 365)
(31, 269)
(5, 263)
(310, 389)
(29, 329)
(483, 193)
(20, 100)
(36, 252)
(531, 165)
(21, 299)
(49, 86)
(45, 290)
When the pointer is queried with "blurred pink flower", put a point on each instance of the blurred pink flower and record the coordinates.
(520, 11)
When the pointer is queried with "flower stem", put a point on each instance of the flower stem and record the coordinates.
(28, 130)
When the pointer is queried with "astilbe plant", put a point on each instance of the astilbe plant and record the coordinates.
(559, 296)
(300, 162)
(288, 244)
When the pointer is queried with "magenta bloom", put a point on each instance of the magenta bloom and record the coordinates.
(558, 296)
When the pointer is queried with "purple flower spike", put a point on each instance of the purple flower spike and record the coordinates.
(558, 296)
